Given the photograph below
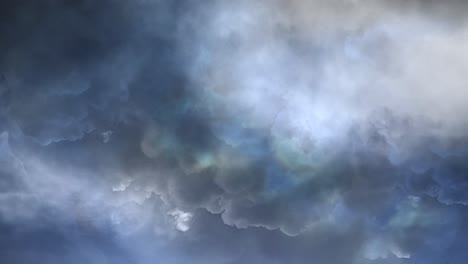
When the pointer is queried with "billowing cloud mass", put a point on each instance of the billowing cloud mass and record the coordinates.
(223, 132)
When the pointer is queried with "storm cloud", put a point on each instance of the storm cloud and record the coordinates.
(156, 131)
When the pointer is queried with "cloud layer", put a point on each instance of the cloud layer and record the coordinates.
(233, 132)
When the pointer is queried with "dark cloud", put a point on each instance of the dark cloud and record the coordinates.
(270, 132)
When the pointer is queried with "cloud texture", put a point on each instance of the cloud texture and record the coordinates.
(156, 131)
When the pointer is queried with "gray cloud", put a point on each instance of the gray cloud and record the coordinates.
(246, 132)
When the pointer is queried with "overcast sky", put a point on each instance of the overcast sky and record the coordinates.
(233, 132)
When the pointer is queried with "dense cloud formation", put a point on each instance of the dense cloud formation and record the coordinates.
(157, 131)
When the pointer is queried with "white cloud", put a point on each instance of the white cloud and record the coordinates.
(182, 219)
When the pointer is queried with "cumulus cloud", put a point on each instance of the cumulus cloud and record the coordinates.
(233, 132)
